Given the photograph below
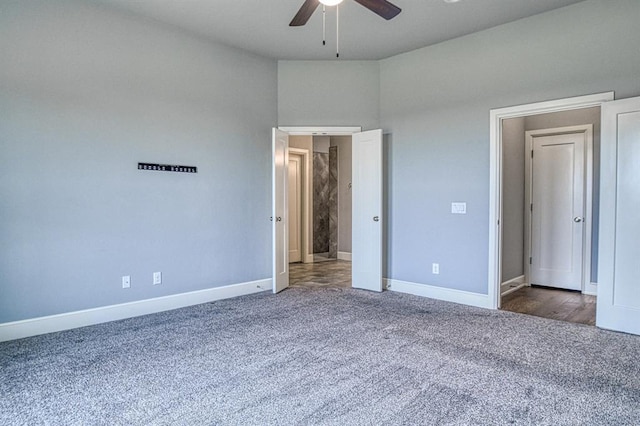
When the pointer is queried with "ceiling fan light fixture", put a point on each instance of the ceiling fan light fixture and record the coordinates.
(331, 2)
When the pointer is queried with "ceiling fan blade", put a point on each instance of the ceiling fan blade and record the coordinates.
(381, 7)
(305, 12)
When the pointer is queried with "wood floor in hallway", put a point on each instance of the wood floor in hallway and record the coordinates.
(552, 303)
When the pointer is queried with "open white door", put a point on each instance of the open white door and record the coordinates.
(366, 262)
(280, 161)
(618, 305)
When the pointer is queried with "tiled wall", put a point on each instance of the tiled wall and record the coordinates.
(333, 202)
(320, 202)
(325, 202)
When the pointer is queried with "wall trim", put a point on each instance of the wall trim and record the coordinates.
(321, 130)
(344, 255)
(590, 289)
(439, 293)
(512, 285)
(53, 323)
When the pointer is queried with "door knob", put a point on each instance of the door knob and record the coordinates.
(578, 219)
(376, 218)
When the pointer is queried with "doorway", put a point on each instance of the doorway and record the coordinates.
(319, 198)
(547, 235)
(519, 235)
(327, 255)
(366, 229)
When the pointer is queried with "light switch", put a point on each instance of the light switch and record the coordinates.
(459, 208)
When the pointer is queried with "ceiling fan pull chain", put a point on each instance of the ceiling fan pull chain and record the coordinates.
(324, 25)
(337, 31)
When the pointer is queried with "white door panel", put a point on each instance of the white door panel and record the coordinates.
(627, 265)
(367, 210)
(557, 230)
(280, 160)
(295, 208)
(618, 305)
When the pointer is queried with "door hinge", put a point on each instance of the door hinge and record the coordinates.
(531, 206)
(531, 153)
(531, 261)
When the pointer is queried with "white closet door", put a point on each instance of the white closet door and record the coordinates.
(618, 305)
(367, 217)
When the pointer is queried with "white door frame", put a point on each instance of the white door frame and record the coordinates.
(321, 131)
(495, 172)
(315, 131)
(587, 131)
(305, 204)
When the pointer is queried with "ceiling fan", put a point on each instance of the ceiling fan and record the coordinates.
(381, 7)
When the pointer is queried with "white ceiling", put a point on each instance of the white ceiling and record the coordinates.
(262, 26)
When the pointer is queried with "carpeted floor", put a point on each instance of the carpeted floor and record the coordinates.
(324, 356)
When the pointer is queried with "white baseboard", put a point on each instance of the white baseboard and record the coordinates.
(512, 285)
(344, 255)
(590, 289)
(440, 293)
(49, 324)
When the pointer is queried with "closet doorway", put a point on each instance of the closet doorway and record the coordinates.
(546, 176)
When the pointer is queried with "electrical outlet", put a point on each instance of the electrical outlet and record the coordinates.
(126, 281)
(435, 268)
(157, 278)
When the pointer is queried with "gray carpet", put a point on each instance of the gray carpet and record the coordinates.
(327, 356)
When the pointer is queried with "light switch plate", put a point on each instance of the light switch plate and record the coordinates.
(459, 208)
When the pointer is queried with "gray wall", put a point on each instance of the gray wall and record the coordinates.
(574, 118)
(513, 191)
(435, 103)
(343, 143)
(86, 93)
(329, 93)
(301, 142)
